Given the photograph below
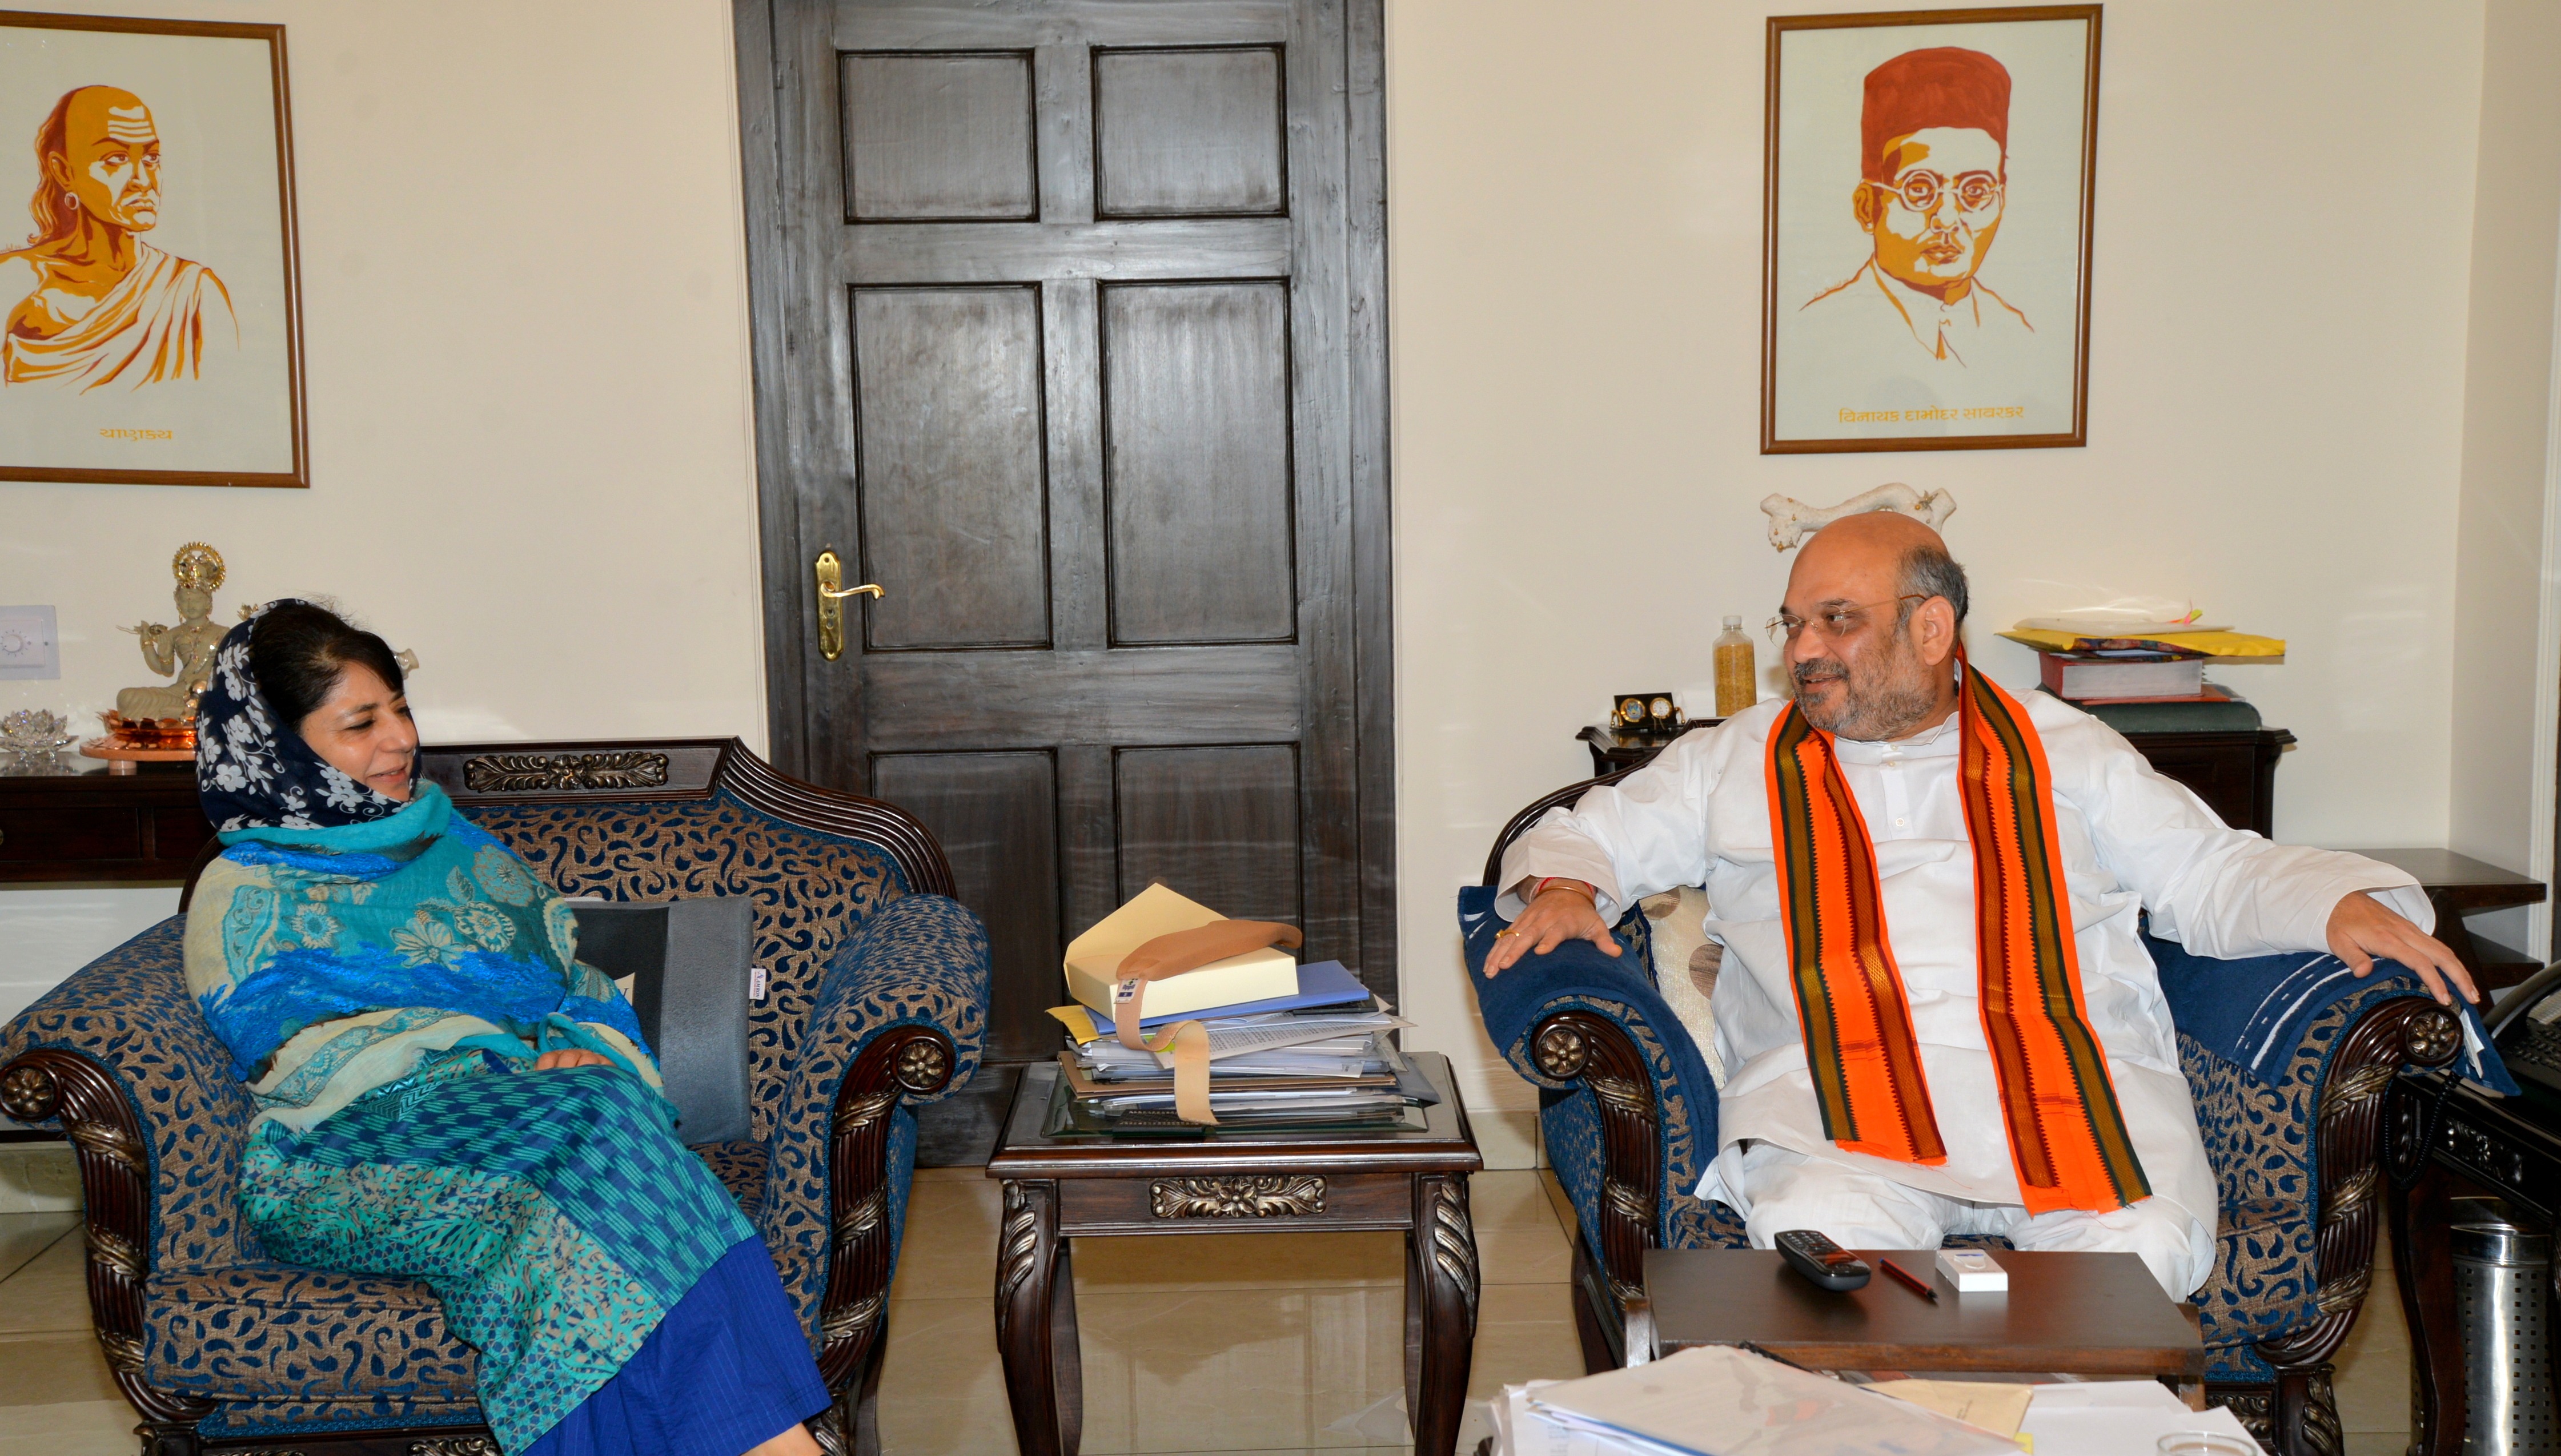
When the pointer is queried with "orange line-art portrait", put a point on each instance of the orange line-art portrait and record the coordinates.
(1933, 142)
(95, 305)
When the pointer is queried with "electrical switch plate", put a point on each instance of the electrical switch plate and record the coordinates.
(27, 648)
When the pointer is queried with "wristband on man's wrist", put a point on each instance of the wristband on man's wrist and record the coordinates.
(1593, 895)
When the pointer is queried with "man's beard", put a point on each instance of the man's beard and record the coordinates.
(1891, 703)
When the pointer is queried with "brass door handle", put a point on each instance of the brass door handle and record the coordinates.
(830, 572)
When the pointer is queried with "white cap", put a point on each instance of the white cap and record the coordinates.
(1733, 624)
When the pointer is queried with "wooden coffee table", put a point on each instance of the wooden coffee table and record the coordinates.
(2080, 1313)
(1058, 1189)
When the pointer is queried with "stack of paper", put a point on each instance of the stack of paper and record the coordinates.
(1290, 1046)
(1721, 1401)
(2117, 1419)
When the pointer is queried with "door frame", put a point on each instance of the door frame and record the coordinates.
(774, 300)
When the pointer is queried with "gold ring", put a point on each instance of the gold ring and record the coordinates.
(1499, 935)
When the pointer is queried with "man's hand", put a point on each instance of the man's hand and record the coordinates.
(2363, 930)
(1559, 915)
(551, 1060)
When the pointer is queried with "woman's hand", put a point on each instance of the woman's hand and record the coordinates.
(551, 1060)
(1554, 917)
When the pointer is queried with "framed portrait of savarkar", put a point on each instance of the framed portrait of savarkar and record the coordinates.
(153, 309)
(1927, 208)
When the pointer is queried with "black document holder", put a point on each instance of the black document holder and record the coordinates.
(690, 963)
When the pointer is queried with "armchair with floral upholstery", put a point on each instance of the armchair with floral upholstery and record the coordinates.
(876, 1002)
(1628, 1114)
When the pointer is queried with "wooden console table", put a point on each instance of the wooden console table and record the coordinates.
(2460, 885)
(1057, 1189)
(2235, 773)
(92, 826)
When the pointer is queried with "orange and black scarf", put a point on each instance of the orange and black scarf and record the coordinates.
(2067, 1137)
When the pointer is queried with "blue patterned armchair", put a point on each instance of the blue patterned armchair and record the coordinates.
(876, 1002)
(1628, 1114)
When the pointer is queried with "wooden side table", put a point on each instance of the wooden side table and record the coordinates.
(1059, 1189)
(2080, 1314)
(95, 827)
(2460, 885)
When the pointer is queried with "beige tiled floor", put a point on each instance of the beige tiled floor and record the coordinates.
(1230, 1343)
(1245, 1345)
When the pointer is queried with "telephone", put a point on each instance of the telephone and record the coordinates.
(2526, 1028)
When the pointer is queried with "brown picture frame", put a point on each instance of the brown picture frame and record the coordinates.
(288, 306)
(1773, 443)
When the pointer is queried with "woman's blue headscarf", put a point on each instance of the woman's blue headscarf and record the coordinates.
(253, 769)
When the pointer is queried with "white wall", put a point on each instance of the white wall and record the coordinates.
(525, 326)
(2502, 725)
(525, 317)
(2276, 418)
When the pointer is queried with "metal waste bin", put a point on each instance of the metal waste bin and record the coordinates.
(2502, 1271)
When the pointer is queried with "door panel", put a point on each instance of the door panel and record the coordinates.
(996, 816)
(1216, 824)
(1067, 329)
(1196, 390)
(936, 137)
(1195, 133)
(952, 477)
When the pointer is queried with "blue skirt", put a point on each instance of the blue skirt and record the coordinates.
(592, 1259)
(727, 1370)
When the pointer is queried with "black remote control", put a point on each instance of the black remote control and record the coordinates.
(1822, 1261)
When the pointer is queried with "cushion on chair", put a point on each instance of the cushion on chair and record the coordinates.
(812, 892)
(740, 1166)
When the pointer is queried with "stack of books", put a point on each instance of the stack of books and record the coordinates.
(1290, 1046)
(1321, 1057)
(2140, 678)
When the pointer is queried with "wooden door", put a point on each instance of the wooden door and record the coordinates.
(1069, 334)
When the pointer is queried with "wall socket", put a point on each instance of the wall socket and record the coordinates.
(28, 650)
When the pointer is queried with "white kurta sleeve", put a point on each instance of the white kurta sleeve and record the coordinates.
(2218, 891)
(1644, 834)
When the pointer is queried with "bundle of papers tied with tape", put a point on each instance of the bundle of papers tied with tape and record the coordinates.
(1095, 960)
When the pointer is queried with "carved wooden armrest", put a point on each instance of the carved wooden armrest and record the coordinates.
(1586, 1046)
(903, 1061)
(116, 1189)
(2298, 1416)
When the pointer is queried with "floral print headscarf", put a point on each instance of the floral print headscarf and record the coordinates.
(254, 771)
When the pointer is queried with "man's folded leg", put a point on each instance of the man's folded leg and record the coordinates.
(2175, 1247)
(1779, 1190)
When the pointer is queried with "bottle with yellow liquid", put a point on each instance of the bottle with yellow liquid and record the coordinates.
(1738, 685)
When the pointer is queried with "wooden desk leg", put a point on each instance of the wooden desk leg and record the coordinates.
(2421, 1260)
(1441, 1279)
(1035, 1306)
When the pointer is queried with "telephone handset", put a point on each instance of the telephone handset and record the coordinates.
(2525, 1025)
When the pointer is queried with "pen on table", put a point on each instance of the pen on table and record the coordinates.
(1909, 1282)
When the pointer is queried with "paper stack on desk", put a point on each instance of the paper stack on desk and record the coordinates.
(1720, 1401)
(1287, 1044)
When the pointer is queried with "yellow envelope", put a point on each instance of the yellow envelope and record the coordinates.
(1093, 960)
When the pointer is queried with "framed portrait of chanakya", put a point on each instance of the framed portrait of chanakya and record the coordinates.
(1927, 207)
(152, 311)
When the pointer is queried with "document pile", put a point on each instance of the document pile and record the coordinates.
(1285, 1046)
(2144, 671)
(1721, 1401)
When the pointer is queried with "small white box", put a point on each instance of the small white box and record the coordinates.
(1973, 1271)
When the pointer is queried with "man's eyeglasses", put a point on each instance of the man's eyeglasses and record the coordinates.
(1920, 191)
(1833, 621)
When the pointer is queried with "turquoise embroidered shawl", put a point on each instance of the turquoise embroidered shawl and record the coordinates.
(335, 961)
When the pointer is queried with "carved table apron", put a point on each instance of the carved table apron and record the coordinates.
(1238, 1182)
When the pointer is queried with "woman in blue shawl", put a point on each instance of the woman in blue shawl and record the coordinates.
(446, 1092)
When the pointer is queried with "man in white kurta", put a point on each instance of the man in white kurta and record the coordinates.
(2130, 841)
